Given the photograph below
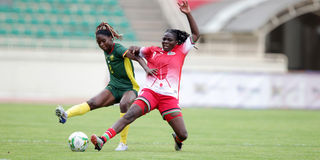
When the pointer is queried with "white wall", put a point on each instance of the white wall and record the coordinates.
(59, 75)
(73, 76)
(251, 90)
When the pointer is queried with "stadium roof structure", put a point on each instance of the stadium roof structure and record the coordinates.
(247, 16)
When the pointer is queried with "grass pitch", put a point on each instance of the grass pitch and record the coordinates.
(33, 132)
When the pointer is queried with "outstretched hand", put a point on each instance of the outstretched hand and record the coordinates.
(133, 53)
(184, 7)
(152, 72)
(134, 49)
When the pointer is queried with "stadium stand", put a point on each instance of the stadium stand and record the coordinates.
(278, 31)
(146, 17)
(60, 19)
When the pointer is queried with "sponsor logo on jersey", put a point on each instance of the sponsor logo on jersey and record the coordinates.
(154, 53)
(171, 53)
(111, 58)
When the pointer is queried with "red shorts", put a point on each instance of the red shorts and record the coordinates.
(165, 104)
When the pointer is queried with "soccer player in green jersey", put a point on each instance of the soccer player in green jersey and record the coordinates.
(122, 87)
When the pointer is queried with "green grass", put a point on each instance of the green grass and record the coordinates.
(33, 132)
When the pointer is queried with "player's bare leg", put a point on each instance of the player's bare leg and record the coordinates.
(133, 113)
(125, 102)
(104, 98)
(180, 130)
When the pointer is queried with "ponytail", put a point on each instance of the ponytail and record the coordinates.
(105, 29)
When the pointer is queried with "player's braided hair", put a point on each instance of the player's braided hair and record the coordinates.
(181, 36)
(105, 29)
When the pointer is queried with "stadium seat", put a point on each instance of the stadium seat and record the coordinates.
(59, 22)
(15, 31)
(124, 24)
(28, 10)
(112, 3)
(9, 20)
(85, 24)
(5, 8)
(42, 10)
(118, 13)
(66, 11)
(21, 20)
(40, 33)
(54, 11)
(72, 23)
(3, 31)
(35, 21)
(53, 33)
(130, 36)
(27, 32)
(66, 33)
(62, 1)
(79, 12)
(106, 13)
(47, 21)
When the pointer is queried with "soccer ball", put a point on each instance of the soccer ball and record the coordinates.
(78, 141)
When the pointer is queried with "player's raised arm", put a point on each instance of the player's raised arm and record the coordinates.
(185, 8)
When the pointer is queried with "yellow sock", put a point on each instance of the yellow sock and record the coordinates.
(78, 109)
(124, 132)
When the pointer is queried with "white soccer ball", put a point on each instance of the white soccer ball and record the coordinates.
(78, 141)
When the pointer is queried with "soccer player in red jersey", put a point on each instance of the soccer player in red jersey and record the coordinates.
(162, 89)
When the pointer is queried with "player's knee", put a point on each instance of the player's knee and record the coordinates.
(94, 104)
(124, 106)
(133, 113)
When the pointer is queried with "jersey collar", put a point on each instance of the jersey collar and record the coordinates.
(112, 48)
(173, 49)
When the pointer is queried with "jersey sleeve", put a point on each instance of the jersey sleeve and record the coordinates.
(121, 51)
(145, 52)
(187, 45)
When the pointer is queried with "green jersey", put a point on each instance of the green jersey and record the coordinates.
(120, 68)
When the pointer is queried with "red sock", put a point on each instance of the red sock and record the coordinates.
(177, 139)
(109, 134)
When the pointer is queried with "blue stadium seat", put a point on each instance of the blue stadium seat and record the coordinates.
(27, 32)
(40, 33)
(53, 33)
(10, 20)
(5, 8)
(47, 22)
(15, 31)
(3, 31)
(21, 20)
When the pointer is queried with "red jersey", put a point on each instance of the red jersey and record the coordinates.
(169, 65)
